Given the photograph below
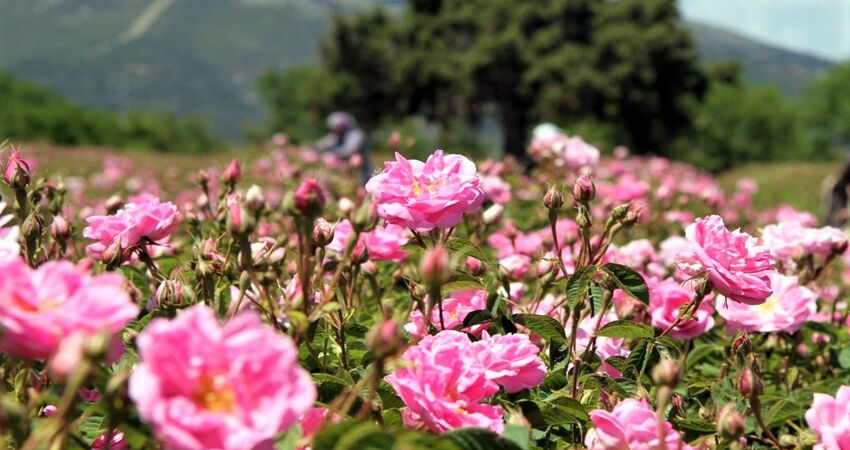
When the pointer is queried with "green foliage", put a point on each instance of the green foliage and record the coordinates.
(828, 108)
(34, 113)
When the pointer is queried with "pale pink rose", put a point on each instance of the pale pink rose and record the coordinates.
(510, 241)
(203, 385)
(786, 309)
(515, 265)
(442, 386)
(789, 241)
(606, 347)
(143, 217)
(383, 243)
(786, 213)
(342, 231)
(496, 189)
(830, 418)
(631, 425)
(665, 298)
(566, 151)
(510, 360)
(455, 309)
(40, 308)
(736, 265)
(418, 195)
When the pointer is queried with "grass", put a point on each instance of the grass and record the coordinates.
(797, 183)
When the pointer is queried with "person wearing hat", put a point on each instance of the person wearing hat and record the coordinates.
(347, 142)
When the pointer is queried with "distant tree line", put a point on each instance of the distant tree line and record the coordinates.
(620, 73)
(31, 112)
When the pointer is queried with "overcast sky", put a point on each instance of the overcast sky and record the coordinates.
(818, 27)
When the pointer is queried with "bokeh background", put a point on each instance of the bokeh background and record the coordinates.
(757, 88)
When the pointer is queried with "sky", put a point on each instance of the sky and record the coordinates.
(816, 27)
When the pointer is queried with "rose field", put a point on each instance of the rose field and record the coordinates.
(598, 300)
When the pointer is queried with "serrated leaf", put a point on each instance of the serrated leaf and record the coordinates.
(544, 326)
(477, 317)
(480, 439)
(697, 425)
(518, 434)
(466, 248)
(578, 284)
(626, 329)
(627, 279)
(461, 285)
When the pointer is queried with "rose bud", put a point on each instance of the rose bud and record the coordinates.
(309, 198)
(345, 205)
(113, 256)
(255, 199)
(553, 199)
(238, 219)
(666, 373)
(385, 339)
(17, 173)
(474, 266)
(232, 174)
(323, 232)
(749, 384)
(113, 204)
(730, 423)
(435, 266)
(493, 214)
(60, 229)
(33, 226)
(583, 189)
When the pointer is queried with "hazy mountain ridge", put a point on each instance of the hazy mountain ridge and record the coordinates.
(202, 57)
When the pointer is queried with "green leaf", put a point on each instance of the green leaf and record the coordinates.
(629, 281)
(544, 326)
(572, 406)
(477, 317)
(626, 329)
(167, 263)
(518, 434)
(595, 298)
(578, 284)
(844, 358)
(542, 413)
(696, 425)
(288, 440)
(699, 353)
(466, 248)
(461, 285)
(480, 439)
(781, 411)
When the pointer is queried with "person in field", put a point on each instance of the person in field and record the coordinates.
(347, 142)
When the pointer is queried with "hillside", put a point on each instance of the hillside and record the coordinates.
(763, 64)
(202, 57)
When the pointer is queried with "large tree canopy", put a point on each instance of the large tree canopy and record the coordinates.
(629, 63)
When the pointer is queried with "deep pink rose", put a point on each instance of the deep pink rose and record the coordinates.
(418, 195)
(443, 385)
(202, 385)
(383, 243)
(142, 217)
(830, 418)
(510, 360)
(665, 298)
(41, 309)
(737, 266)
(631, 425)
(786, 309)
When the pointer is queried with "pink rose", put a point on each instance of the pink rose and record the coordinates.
(115, 442)
(203, 385)
(786, 309)
(736, 265)
(455, 309)
(510, 360)
(830, 418)
(665, 298)
(142, 217)
(632, 425)
(383, 243)
(443, 385)
(40, 309)
(309, 197)
(422, 196)
(497, 189)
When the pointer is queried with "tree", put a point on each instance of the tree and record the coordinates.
(828, 109)
(629, 62)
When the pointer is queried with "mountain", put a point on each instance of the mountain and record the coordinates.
(762, 63)
(202, 57)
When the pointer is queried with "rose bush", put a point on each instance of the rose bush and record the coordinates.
(273, 303)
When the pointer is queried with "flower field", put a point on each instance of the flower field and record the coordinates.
(274, 302)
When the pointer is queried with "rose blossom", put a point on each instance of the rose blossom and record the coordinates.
(736, 265)
(58, 305)
(830, 418)
(422, 196)
(633, 425)
(786, 309)
(143, 217)
(203, 385)
(511, 361)
(443, 384)
(383, 243)
(665, 298)
(455, 309)
(789, 241)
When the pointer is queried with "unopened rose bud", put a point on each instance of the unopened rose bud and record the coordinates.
(544, 266)
(97, 346)
(309, 198)
(631, 218)
(60, 229)
(238, 219)
(702, 286)
(113, 256)
(232, 174)
(749, 384)
(202, 178)
(435, 266)
(345, 205)
(619, 212)
(666, 373)
(493, 214)
(553, 199)
(17, 173)
(474, 266)
(742, 343)
(365, 218)
(385, 339)
(323, 232)
(394, 140)
(369, 268)
(583, 218)
(113, 204)
(49, 410)
(172, 294)
(255, 199)
(584, 189)
(730, 423)
(33, 226)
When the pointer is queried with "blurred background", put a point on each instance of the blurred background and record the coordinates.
(718, 83)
